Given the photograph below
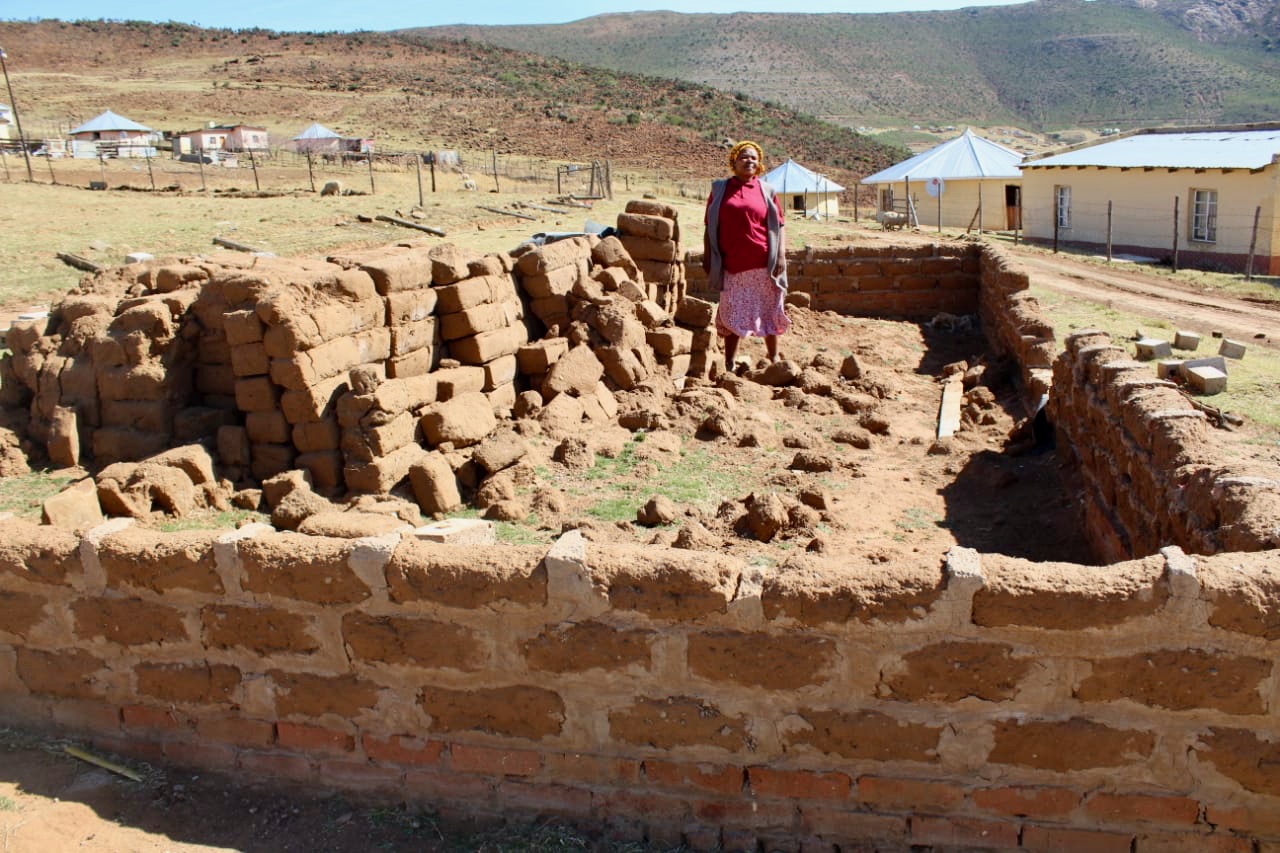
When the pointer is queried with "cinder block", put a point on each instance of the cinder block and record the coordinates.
(1206, 380)
(1231, 349)
(1186, 340)
(1168, 367)
(459, 531)
(1149, 349)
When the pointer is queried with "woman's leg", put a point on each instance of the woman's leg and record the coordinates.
(771, 346)
(730, 350)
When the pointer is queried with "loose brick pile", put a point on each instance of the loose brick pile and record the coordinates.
(669, 695)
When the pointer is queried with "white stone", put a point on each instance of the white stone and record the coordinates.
(1186, 340)
(459, 531)
(1206, 380)
(1231, 349)
(1153, 348)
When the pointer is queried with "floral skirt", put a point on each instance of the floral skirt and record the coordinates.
(751, 304)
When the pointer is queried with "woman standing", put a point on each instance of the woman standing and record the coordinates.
(744, 254)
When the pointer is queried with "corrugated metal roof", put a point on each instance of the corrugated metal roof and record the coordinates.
(109, 121)
(791, 177)
(968, 156)
(317, 131)
(1202, 149)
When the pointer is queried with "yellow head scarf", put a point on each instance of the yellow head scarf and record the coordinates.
(737, 149)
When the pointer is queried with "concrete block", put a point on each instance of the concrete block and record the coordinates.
(1231, 349)
(459, 531)
(1149, 349)
(1206, 380)
(1186, 340)
(1168, 367)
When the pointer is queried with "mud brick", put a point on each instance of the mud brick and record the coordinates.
(1087, 841)
(121, 444)
(325, 467)
(500, 371)
(267, 428)
(340, 319)
(452, 298)
(551, 310)
(256, 394)
(148, 381)
(487, 346)
(267, 460)
(503, 399)
(313, 738)
(210, 349)
(411, 306)
(402, 750)
(554, 255)
(250, 360)
(198, 422)
(798, 784)
(233, 445)
(494, 761)
(455, 381)
(315, 403)
(66, 674)
(416, 363)
(538, 356)
(237, 731)
(381, 475)
(204, 684)
(316, 435)
(411, 337)
(142, 415)
(399, 395)
(391, 436)
(671, 342)
(720, 779)
(1034, 803)
(658, 272)
(399, 272)
(557, 282)
(649, 249)
(242, 327)
(645, 225)
(481, 318)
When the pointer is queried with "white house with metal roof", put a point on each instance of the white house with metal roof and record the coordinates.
(805, 191)
(112, 135)
(952, 182)
(1210, 196)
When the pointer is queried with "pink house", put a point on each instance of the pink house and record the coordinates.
(229, 138)
(111, 135)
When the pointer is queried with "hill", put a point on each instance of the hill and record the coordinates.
(1045, 65)
(409, 93)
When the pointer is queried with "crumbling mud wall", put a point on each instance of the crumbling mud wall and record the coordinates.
(671, 695)
(1152, 471)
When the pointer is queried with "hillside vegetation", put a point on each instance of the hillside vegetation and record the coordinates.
(1045, 65)
(409, 94)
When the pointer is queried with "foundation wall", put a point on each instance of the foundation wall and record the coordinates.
(675, 696)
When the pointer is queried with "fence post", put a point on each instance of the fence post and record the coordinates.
(1056, 224)
(495, 171)
(372, 191)
(1253, 243)
(253, 162)
(200, 160)
(1108, 230)
(4, 158)
(417, 167)
(151, 177)
(310, 172)
(1176, 201)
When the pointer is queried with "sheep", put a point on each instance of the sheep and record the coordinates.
(892, 220)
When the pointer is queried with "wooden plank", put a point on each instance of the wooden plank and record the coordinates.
(232, 244)
(404, 223)
(508, 213)
(949, 411)
(79, 262)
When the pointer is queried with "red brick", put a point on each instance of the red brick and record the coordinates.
(798, 784)
(277, 765)
(1259, 821)
(908, 794)
(433, 786)
(707, 777)
(543, 799)
(360, 775)
(964, 832)
(402, 749)
(494, 762)
(839, 825)
(1191, 842)
(1027, 802)
(741, 812)
(86, 715)
(306, 737)
(1075, 840)
(592, 769)
(147, 717)
(1125, 808)
(642, 805)
(208, 756)
(237, 731)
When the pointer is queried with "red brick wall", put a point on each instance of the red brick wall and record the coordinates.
(986, 702)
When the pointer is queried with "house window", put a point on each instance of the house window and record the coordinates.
(1062, 206)
(886, 198)
(1204, 216)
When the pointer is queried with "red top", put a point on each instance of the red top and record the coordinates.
(744, 230)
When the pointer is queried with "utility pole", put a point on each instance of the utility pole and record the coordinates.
(13, 104)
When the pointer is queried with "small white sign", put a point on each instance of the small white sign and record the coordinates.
(935, 186)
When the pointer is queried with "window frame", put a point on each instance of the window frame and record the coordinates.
(1203, 224)
(1061, 210)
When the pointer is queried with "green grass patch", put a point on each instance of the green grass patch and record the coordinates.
(24, 496)
(214, 520)
(7, 805)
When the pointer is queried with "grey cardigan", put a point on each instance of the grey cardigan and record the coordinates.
(713, 261)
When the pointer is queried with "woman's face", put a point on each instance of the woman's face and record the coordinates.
(744, 167)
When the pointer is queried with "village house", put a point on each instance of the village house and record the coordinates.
(952, 182)
(1208, 196)
(318, 139)
(220, 139)
(111, 135)
(805, 191)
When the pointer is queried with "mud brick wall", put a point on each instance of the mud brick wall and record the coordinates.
(677, 696)
(1152, 471)
(1014, 325)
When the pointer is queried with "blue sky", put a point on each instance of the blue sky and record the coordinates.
(324, 15)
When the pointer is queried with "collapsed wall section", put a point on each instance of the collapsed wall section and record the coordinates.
(672, 695)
